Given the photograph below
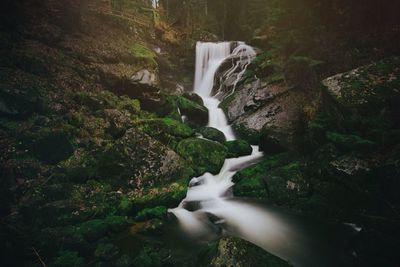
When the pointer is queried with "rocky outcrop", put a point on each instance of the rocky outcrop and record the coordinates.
(372, 86)
(275, 108)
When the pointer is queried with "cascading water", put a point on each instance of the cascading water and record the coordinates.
(216, 210)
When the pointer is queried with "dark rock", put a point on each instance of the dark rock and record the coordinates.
(269, 143)
(236, 252)
(195, 114)
(213, 134)
(194, 97)
(238, 148)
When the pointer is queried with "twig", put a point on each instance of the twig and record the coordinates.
(40, 258)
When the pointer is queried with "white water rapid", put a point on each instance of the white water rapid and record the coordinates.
(210, 209)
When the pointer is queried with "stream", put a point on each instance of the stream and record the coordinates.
(210, 210)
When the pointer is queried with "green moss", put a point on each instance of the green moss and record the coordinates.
(213, 134)
(106, 251)
(142, 52)
(196, 114)
(169, 196)
(252, 181)
(166, 130)
(67, 258)
(158, 212)
(148, 257)
(350, 142)
(202, 154)
(250, 135)
(238, 148)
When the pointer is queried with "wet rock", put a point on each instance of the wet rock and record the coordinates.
(238, 148)
(194, 97)
(213, 134)
(196, 114)
(235, 252)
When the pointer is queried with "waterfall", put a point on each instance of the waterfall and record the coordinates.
(209, 57)
(217, 212)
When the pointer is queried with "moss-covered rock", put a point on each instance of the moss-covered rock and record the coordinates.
(252, 181)
(148, 257)
(196, 114)
(213, 134)
(236, 252)
(142, 52)
(166, 130)
(238, 148)
(137, 155)
(370, 86)
(203, 155)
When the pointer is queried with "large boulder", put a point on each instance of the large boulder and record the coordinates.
(213, 134)
(204, 155)
(166, 130)
(368, 88)
(136, 155)
(143, 85)
(238, 148)
(236, 252)
(259, 106)
(194, 113)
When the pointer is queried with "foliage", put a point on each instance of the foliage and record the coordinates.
(151, 213)
(67, 259)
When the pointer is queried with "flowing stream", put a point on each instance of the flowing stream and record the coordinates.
(210, 210)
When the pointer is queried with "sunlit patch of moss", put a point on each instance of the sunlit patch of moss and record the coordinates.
(142, 52)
